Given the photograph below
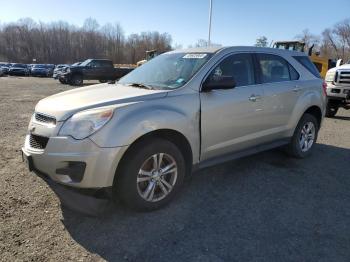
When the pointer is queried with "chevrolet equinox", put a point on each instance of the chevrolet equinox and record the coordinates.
(140, 137)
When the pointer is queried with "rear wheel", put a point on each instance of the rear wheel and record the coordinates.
(304, 138)
(62, 81)
(331, 110)
(103, 81)
(151, 174)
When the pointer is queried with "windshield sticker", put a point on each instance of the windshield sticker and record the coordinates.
(195, 56)
(180, 80)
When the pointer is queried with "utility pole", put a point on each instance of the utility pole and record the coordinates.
(210, 13)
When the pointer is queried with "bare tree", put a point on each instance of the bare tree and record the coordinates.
(60, 42)
(333, 43)
(261, 41)
(308, 38)
(204, 43)
(336, 41)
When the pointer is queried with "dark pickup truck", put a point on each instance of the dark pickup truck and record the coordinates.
(93, 69)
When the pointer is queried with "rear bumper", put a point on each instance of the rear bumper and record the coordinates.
(75, 163)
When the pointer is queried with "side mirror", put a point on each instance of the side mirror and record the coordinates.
(221, 82)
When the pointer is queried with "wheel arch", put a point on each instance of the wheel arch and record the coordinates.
(316, 112)
(171, 135)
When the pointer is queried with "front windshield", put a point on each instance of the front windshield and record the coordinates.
(167, 71)
(86, 62)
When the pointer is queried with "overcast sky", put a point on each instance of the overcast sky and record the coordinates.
(234, 22)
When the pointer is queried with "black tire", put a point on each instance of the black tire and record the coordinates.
(77, 80)
(331, 110)
(126, 187)
(294, 148)
(62, 81)
(103, 81)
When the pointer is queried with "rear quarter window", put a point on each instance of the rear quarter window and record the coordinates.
(306, 62)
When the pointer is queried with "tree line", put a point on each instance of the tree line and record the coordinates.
(60, 42)
(333, 42)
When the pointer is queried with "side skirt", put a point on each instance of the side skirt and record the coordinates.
(247, 152)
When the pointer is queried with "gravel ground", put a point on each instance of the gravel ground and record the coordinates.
(265, 207)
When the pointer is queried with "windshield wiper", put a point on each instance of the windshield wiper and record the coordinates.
(140, 85)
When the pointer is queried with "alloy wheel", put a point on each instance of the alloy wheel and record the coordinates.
(157, 177)
(307, 136)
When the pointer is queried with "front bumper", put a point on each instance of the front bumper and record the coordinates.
(60, 152)
(55, 75)
(338, 92)
(64, 77)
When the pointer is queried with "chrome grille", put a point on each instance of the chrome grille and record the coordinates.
(38, 142)
(45, 119)
(344, 77)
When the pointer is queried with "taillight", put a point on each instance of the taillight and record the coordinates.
(324, 87)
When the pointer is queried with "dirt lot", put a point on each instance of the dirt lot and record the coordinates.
(266, 207)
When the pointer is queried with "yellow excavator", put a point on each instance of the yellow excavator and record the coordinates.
(149, 55)
(323, 64)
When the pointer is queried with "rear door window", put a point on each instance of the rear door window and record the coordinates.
(94, 64)
(105, 63)
(274, 68)
(294, 75)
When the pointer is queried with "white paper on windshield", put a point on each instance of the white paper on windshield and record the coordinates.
(195, 56)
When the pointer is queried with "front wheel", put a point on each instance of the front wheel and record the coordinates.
(151, 174)
(77, 80)
(304, 138)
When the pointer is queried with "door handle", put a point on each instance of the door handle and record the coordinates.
(296, 89)
(254, 98)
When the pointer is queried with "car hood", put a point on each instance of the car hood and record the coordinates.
(342, 67)
(345, 66)
(76, 67)
(65, 104)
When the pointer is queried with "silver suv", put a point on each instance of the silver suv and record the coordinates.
(186, 109)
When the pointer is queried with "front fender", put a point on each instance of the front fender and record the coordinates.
(130, 122)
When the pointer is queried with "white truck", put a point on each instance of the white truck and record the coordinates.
(338, 89)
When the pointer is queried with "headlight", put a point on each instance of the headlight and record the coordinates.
(85, 123)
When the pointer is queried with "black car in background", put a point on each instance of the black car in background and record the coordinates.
(63, 71)
(18, 70)
(42, 70)
(93, 69)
